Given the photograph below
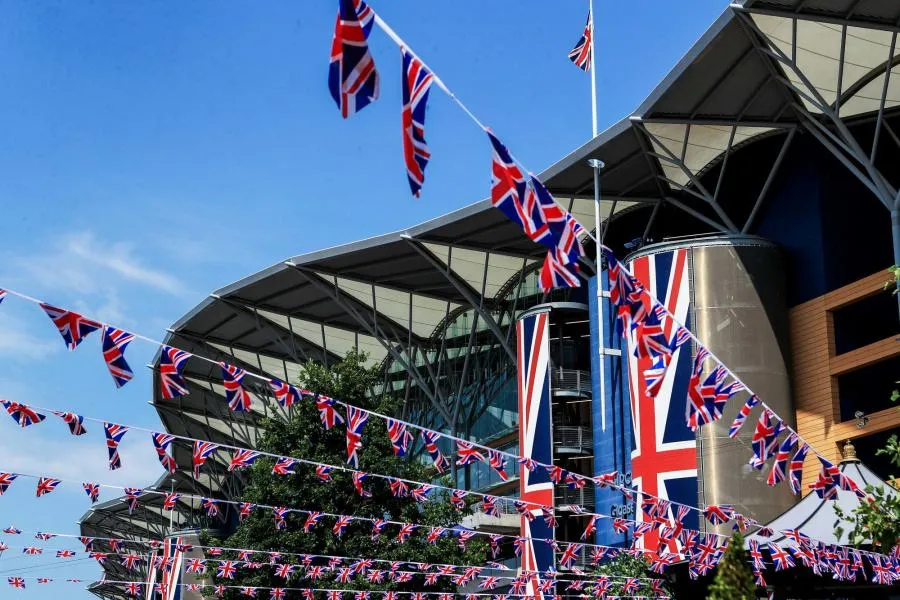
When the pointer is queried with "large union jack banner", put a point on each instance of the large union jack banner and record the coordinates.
(664, 458)
(535, 441)
(164, 575)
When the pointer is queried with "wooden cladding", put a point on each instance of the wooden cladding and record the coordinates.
(816, 368)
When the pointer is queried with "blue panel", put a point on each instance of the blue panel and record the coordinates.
(613, 439)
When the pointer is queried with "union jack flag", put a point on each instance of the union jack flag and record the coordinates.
(497, 461)
(718, 514)
(132, 495)
(248, 591)
(323, 472)
(456, 499)
(75, 422)
(406, 530)
(399, 488)
(489, 506)
(796, 468)
(462, 537)
(312, 520)
(276, 594)
(6, 480)
(72, 326)
(114, 341)
(764, 439)
(399, 436)
(335, 595)
(130, 561)
(417, 80)
(284, 466)
(237, 397)
(171, 500)
(114, 434)
(378, 526)
(45, 486)
(434, 534)
(211, 506)
(356, 421)
(570, 555)
(777, 474)
(829, 480)
(242, 458)
(226, 569)
(171, 363)
(524, 509)
(440, 461)
(420, 494)
(467, 453)
(285, 394)
(742, 416)
(590, 529)
(64, 554)
(161, 443)
(781, 558)
(508, 194)
(555, 273)
(327, 414)
(32, 551)
(358, 479)
(285, 571)
(664, 458)
(701, 394)
(16, 582)
(340, 525)
(202, 451)
(280, 513)
(352, 77)
(132, 588)
(582, 53)
(22, 414)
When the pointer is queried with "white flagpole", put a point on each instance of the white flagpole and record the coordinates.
(597, 165)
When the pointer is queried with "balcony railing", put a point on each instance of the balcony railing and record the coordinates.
(583, 497)
(570, 380)
(572, 439)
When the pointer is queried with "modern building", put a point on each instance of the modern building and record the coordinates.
(752, 192)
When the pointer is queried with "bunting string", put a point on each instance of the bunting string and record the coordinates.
(243, 457)
(135, 588)
(289, 394)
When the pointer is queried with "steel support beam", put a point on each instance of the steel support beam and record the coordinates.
(465, 291)
(376, 332)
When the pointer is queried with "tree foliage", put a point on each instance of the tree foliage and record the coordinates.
(626, 565)
(302, 435)
(734, 579)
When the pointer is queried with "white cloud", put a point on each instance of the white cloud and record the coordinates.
(81, 459)
(81, 263)
(18, 341)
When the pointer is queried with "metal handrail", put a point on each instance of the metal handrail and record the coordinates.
(583, 497)
(573, 436)
(570, 380)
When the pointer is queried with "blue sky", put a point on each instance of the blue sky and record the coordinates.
(155, 151)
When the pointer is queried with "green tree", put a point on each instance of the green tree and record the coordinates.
(626, 565)
(734, 579)
(302, 435)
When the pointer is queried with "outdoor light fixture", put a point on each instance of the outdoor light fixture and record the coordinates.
(861, 419)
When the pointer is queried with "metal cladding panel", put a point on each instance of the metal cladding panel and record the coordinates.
(740, 313)
(535, 439)
(664, 457)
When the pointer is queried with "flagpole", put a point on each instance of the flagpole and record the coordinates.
(596, 165)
